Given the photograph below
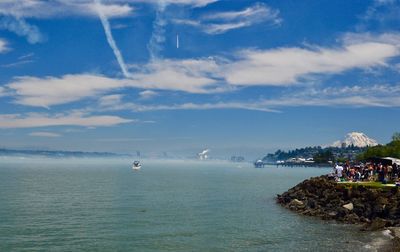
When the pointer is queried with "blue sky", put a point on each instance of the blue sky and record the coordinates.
(248, 77)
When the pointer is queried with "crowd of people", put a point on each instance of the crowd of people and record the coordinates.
(366, 172)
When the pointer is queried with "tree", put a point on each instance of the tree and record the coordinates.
(323, 157)
(396, 136)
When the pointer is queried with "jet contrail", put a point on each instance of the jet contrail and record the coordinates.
(110, 39)
(158, 35)
(177, 41)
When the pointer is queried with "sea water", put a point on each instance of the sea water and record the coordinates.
(102, 205)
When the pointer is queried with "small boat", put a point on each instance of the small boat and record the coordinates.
(136, 165)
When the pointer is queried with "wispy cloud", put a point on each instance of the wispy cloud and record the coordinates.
(18, 63)
(286, 66)
(379, 95)
(3, 46)
(44, 134)
(20, 27)
(72, 119)
(22, 60)
(194, 3)
(147, 94)
(118, 104)
(155, 45)
(189, 75)
(48, 91)
(382, 13)
(3, 92)
(221, 22)
(269, 67)
(61, 8)
(26, 56)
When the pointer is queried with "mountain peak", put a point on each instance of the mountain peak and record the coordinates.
(357, 139)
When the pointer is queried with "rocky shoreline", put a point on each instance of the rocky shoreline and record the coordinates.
(322, 197)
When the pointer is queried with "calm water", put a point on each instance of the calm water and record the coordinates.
(102, 205)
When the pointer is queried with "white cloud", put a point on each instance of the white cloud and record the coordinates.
(118, 104)
(2, 91)
(385, 38)
(347, 96)
(279, 67)
(192, 75)
(73, 119)
(382, 12)
(44, 134)
(109, 10)
(3, 46)
(110, 100)
(194, 3)
(287, 66)
(147, 94)
(22, 28)
(221, 22)
(62, 8)
(48, 91)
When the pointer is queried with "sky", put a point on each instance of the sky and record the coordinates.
(238, 77)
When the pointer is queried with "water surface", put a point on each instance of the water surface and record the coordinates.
(102, 205)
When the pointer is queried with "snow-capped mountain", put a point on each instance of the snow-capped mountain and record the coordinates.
(357, 139)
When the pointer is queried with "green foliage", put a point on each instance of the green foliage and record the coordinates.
(323, 157)
(372, 184)
(283, 155)
(396, 136)
(390, 150)
(308, 152)
(341, 160)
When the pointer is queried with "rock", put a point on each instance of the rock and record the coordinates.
(376, 224)
(349, 206)
(395, 231)
(325, 199)
(297, 202)
(332, 214)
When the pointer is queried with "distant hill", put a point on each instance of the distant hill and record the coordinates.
(58, 154)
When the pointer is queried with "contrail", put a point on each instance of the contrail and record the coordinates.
(158, 35)
(110, 39)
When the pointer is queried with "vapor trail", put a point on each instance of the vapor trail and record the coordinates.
(110, 39)
(158, 35)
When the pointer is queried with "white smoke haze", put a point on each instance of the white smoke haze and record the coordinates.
(110, 39)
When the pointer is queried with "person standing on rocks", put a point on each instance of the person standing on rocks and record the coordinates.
(339, 171)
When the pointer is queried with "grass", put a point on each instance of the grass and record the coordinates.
(369, 184)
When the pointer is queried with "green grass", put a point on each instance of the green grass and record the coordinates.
(371, 184)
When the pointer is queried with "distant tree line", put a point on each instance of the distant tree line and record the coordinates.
(391, 149)
(318, 153)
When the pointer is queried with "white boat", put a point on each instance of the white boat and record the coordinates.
(136, 165)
